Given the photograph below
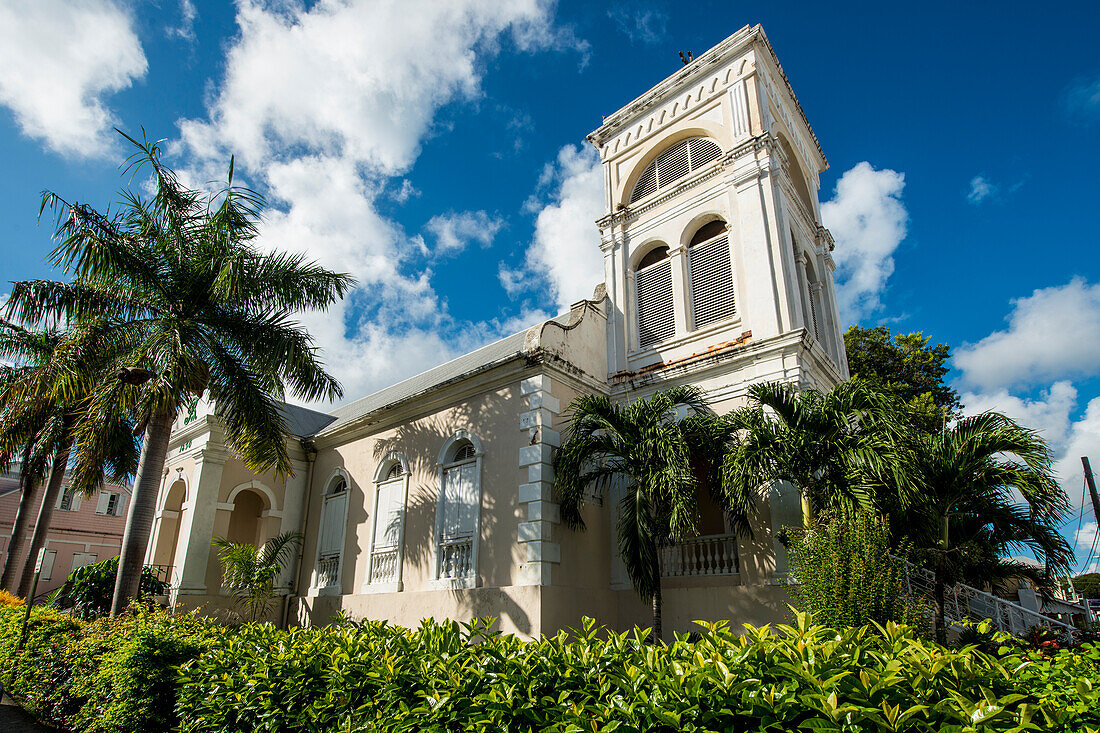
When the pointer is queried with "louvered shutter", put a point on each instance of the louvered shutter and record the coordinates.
(673, 164)
(813, 312)
(332, 524)
(711, 282)
(656, 319)
(389, 514)
(101, 505)
(702, 151)
(460, 501)
(647, 183)
(47, 564)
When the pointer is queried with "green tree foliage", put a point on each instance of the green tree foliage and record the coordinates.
(847, 574)
(250, 574)
(906, 365)
(806, 438)
(89, 589)
(177, 282)
(953, 493)
(655, 450)
(154, 672)
(1087, 585)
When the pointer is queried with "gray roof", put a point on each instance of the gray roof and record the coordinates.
(486, 357)
(303, 422)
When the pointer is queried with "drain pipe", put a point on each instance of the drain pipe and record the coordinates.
(311, 456)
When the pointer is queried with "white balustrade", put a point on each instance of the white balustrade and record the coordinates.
(965, 603)
(456, 557)
(328, 571)
(700, 557)
(383, 565)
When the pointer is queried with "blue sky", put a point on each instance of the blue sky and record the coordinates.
(436, 151)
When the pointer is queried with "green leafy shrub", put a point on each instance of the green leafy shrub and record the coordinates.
(847, 574)
(107, 676)
(127, 674)
(89, 589)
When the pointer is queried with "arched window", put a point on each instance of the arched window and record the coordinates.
(330, 543)
(710, 269)
(674, 163)
(457, 512)
(388, 524)
(653, 288)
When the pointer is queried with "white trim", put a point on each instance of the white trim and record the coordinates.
(380, 480)
(331, 590)
(442, 464)
(272, 505)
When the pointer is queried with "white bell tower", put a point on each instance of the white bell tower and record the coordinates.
(716, 264)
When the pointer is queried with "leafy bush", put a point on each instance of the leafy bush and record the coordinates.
(847, 574)
(107, 676)
(126, 675)
(89, 589)
(8, 599)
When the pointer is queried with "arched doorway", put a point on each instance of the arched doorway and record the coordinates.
(244, 522)
(168, 534)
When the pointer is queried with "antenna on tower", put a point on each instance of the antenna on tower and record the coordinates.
(687, 59)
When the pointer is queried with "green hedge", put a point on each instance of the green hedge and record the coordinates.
(153, 672)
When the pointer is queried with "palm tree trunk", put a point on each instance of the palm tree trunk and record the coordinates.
(657, 634)
(143, 505)
(938, 590)
(29, 491)
(45, 513)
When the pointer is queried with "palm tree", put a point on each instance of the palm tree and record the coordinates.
(655, 450)
(958, 497)
(250, 573)
(805, 438)
(44, 399)
(177, 280)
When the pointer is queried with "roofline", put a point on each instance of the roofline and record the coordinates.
(724, 50)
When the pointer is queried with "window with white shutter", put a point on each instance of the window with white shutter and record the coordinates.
(711, 275)
(388, 526)
(48, 557)
(656, 307)
(330, 543)
(674, 163)
(456, 523)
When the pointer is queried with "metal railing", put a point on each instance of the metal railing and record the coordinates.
(966, 603)
(383, 565)
(163, 573)
(701, 557)
(456, 557)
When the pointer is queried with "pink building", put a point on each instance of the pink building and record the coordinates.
(83, 530)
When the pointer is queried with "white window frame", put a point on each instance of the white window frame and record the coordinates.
(690, 282)
(443, 463)
(49, 557)
(670, 262)
(397, 585)
(316, 589)
(75, 500)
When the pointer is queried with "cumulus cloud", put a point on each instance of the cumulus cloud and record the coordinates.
(59, 61)
(1082, 100)
(646, 25)
(326, 107)
(453, 231)
(1049, 413)
(868, 220)
(564, 258)
(981, 188)
(1054, 333)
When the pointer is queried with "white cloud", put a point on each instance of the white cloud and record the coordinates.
(454, 231)
(1049, 413)
(640, 24)
(868, 221)
(58, 61)
(981, 188)
(1054, 333)
(185, 30)
(326, 107)
(565, 256)
(1082, 100)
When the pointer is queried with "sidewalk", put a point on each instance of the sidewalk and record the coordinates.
(13, 719)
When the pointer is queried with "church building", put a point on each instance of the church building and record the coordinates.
(434, 497)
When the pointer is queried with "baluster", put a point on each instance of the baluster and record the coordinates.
(708, 557)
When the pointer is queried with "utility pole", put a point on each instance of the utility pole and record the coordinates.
(1091, 481)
